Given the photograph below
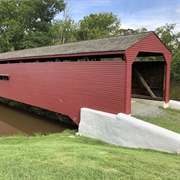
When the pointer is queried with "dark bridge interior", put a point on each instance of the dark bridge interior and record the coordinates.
(148, 80)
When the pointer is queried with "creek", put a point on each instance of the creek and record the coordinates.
(14, 121)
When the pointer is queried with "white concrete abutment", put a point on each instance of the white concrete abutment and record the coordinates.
(124, 130)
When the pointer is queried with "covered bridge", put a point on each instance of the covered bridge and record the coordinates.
(101, 74)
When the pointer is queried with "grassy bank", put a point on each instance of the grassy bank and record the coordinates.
(65, 156)
(169, 119)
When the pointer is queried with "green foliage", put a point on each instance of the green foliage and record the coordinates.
(98, 26)
(66, 156)
(91, 27)
(25, 24)
(175, 66)
(172, 41)
(168, 37)
(64, 30)
(127, 31)
(131, 31)
(174, 90)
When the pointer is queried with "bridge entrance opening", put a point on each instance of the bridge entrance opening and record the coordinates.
(148, 79)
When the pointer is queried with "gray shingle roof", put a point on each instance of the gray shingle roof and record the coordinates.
(118, 43)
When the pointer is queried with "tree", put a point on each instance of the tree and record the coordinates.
(131, 31)
(98, 26)
(64, 30)
(168, 37)
(175, 66)
(25, 24)
(172, 41)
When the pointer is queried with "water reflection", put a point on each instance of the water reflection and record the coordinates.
(14, 120)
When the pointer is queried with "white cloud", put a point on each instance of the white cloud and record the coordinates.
(150, 19)
(133, 13)
(178, 10)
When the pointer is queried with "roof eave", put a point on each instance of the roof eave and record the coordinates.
(65, 55)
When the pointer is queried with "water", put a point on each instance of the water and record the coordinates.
(175, 91)
(14, 121)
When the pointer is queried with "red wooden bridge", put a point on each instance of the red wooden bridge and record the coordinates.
(95, 74)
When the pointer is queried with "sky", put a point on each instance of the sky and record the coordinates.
(132, 13)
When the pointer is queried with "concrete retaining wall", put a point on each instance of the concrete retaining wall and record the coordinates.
(124, 130)
(174, 104)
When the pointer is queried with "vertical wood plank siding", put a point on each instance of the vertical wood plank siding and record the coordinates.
(65, 87)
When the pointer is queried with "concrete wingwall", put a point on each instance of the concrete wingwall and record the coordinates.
(124, 130)
(174, 104)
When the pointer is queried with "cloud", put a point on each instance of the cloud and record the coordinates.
(178, 10)
(133, 13)
(149, 18)
(82, 8)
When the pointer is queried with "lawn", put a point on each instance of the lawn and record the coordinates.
(66, 156)
(169, 119)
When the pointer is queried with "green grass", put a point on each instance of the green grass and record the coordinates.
(169, 119)
(66, 156)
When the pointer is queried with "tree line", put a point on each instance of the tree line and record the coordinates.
(29, 24)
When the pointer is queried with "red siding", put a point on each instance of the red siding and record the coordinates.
(128, 88)
(65, 87)
(152, 44)
(167, 82)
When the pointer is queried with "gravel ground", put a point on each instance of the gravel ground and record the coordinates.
(145, 110)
